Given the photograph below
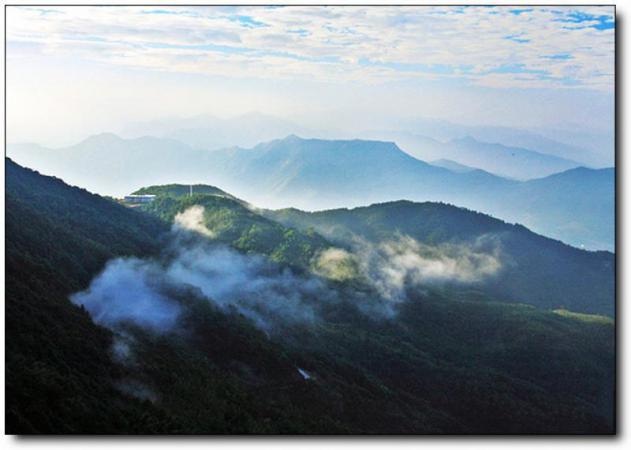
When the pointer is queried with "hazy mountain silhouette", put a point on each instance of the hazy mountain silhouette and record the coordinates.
(576, 207)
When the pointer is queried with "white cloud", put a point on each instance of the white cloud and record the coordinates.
(359, 44)
(193, 220)
(76, 71)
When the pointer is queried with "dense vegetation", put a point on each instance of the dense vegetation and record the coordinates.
(232, 222)
(536, 270)
(58, 370)
(178, 190)
(441, 363)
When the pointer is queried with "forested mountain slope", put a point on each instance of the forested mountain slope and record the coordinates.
(58, 370)
(535, 269)
(432, 364)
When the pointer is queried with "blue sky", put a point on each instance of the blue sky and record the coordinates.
(239, 59)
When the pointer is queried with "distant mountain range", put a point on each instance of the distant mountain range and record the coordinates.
(320, 174)
(210, 133)
(108, 164)
(511, 162)
(576, 206)
(452, 165)
(589, 147)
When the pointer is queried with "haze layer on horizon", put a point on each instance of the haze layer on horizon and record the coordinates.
(75, 71)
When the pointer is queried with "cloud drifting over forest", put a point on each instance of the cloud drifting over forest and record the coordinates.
(152, 292)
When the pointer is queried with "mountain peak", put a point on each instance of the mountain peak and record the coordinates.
(582, 171)
(468, 139)
(100, 138)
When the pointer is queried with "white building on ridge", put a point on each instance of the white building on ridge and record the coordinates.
(135, 198)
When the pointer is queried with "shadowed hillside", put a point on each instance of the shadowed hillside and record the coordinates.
(535, 269)
(438, 362)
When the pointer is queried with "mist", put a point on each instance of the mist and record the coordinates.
(130, 289)
(395, 266)
(151, 293)
(193, 219)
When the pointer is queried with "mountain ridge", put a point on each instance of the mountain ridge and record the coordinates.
(500, 159)
(322, 174)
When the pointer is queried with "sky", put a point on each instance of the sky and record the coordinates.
(75, 71)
